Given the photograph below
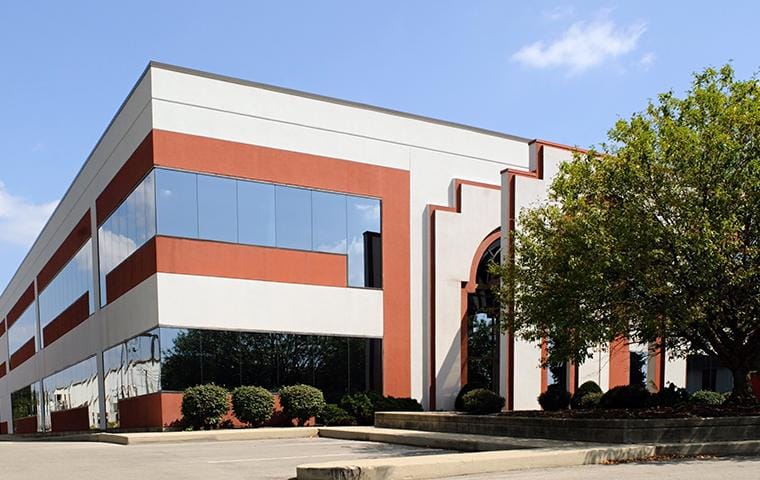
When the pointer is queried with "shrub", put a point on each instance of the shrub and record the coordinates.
(707, 397)
(394, 404)
(625, 396)
(302, 402)
(468, 387)
(669, 396)
(590, 400)
(252, 405)
(204, 406)
(333, 415)
(586, 388)
(360, 406)
(554, 398)
(482, 401)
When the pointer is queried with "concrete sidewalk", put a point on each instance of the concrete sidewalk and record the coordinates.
(448, 465)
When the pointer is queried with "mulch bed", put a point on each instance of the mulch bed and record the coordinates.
(685, 411)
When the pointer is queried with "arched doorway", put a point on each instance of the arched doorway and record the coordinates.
(483, 323)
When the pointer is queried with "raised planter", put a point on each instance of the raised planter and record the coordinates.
(673, 430)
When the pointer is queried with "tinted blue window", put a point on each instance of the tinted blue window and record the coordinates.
(73, 281)
(217, 208)
(126, 230)
(177, 203)
(329, 222)
(363, 227)
(256, 213)
(23, 329)
(293, 217)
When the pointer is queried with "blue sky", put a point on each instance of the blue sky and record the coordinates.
(553, 70)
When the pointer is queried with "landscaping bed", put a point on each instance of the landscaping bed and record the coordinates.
(683, 411)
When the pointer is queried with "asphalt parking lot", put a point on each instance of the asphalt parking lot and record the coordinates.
(260, 459)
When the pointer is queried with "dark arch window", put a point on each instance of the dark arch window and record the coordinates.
(483, 324)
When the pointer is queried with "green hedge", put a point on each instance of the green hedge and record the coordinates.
(554, 398)
(252, 405)
(707, 397)
(204, 406)
(302, 402)
(584, 389)
(360, 406)
(482, 401)
(333, 415)
(625, 396)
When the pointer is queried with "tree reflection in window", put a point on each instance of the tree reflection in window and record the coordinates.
(483, 325)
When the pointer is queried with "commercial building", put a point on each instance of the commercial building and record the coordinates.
(231, 232)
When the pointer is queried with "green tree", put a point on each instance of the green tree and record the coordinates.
(654, 236)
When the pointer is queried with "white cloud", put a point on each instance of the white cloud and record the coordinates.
(582, 46)
(647, 61)
(20, 219)
(558, 13)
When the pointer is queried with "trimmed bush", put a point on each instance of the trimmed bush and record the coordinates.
(400, 404)
(669, 396)
(252, 405)
(554, 398)
(707, 397)
(482, 401)
(468, 387)
(333, 415)
(625, 396)
(302, 402)
(590, 400)
(360, 406)
(204, 406)
(584, 389)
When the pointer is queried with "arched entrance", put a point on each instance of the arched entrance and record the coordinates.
(483, 363)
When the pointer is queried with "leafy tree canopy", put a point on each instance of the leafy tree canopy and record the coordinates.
(653, 236)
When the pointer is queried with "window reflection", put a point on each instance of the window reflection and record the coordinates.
(177, 203)
(364, 243)
(329, 222)
(131, 368)
(23, 330)
(72, 395)
(336, 365)
(293, 217)
(126, 230)
(256, 213)
(217, 209)
(24, 408)
(69, 285)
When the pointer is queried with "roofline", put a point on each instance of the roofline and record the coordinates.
(337, 101)
(249, 83)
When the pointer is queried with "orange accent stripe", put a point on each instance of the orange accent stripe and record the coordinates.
(22, 303)
(251, 262)
(619, 363)
(74, 314)
(3, 370)
(73, 242)
(22, 354)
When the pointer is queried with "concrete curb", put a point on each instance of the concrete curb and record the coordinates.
(445, 441)
(447, 465)
(174, 437)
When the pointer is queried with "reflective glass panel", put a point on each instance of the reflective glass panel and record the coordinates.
(71, 395)
(256, 213)
(131, 368)
(364, 248)
(126, 230)
(177, 203)
(293, 217)
(23, 330)
(217, 208)
(25, 402)
(329, 222)
(71, 284)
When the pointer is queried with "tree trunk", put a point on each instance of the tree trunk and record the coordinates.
(742, 394)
